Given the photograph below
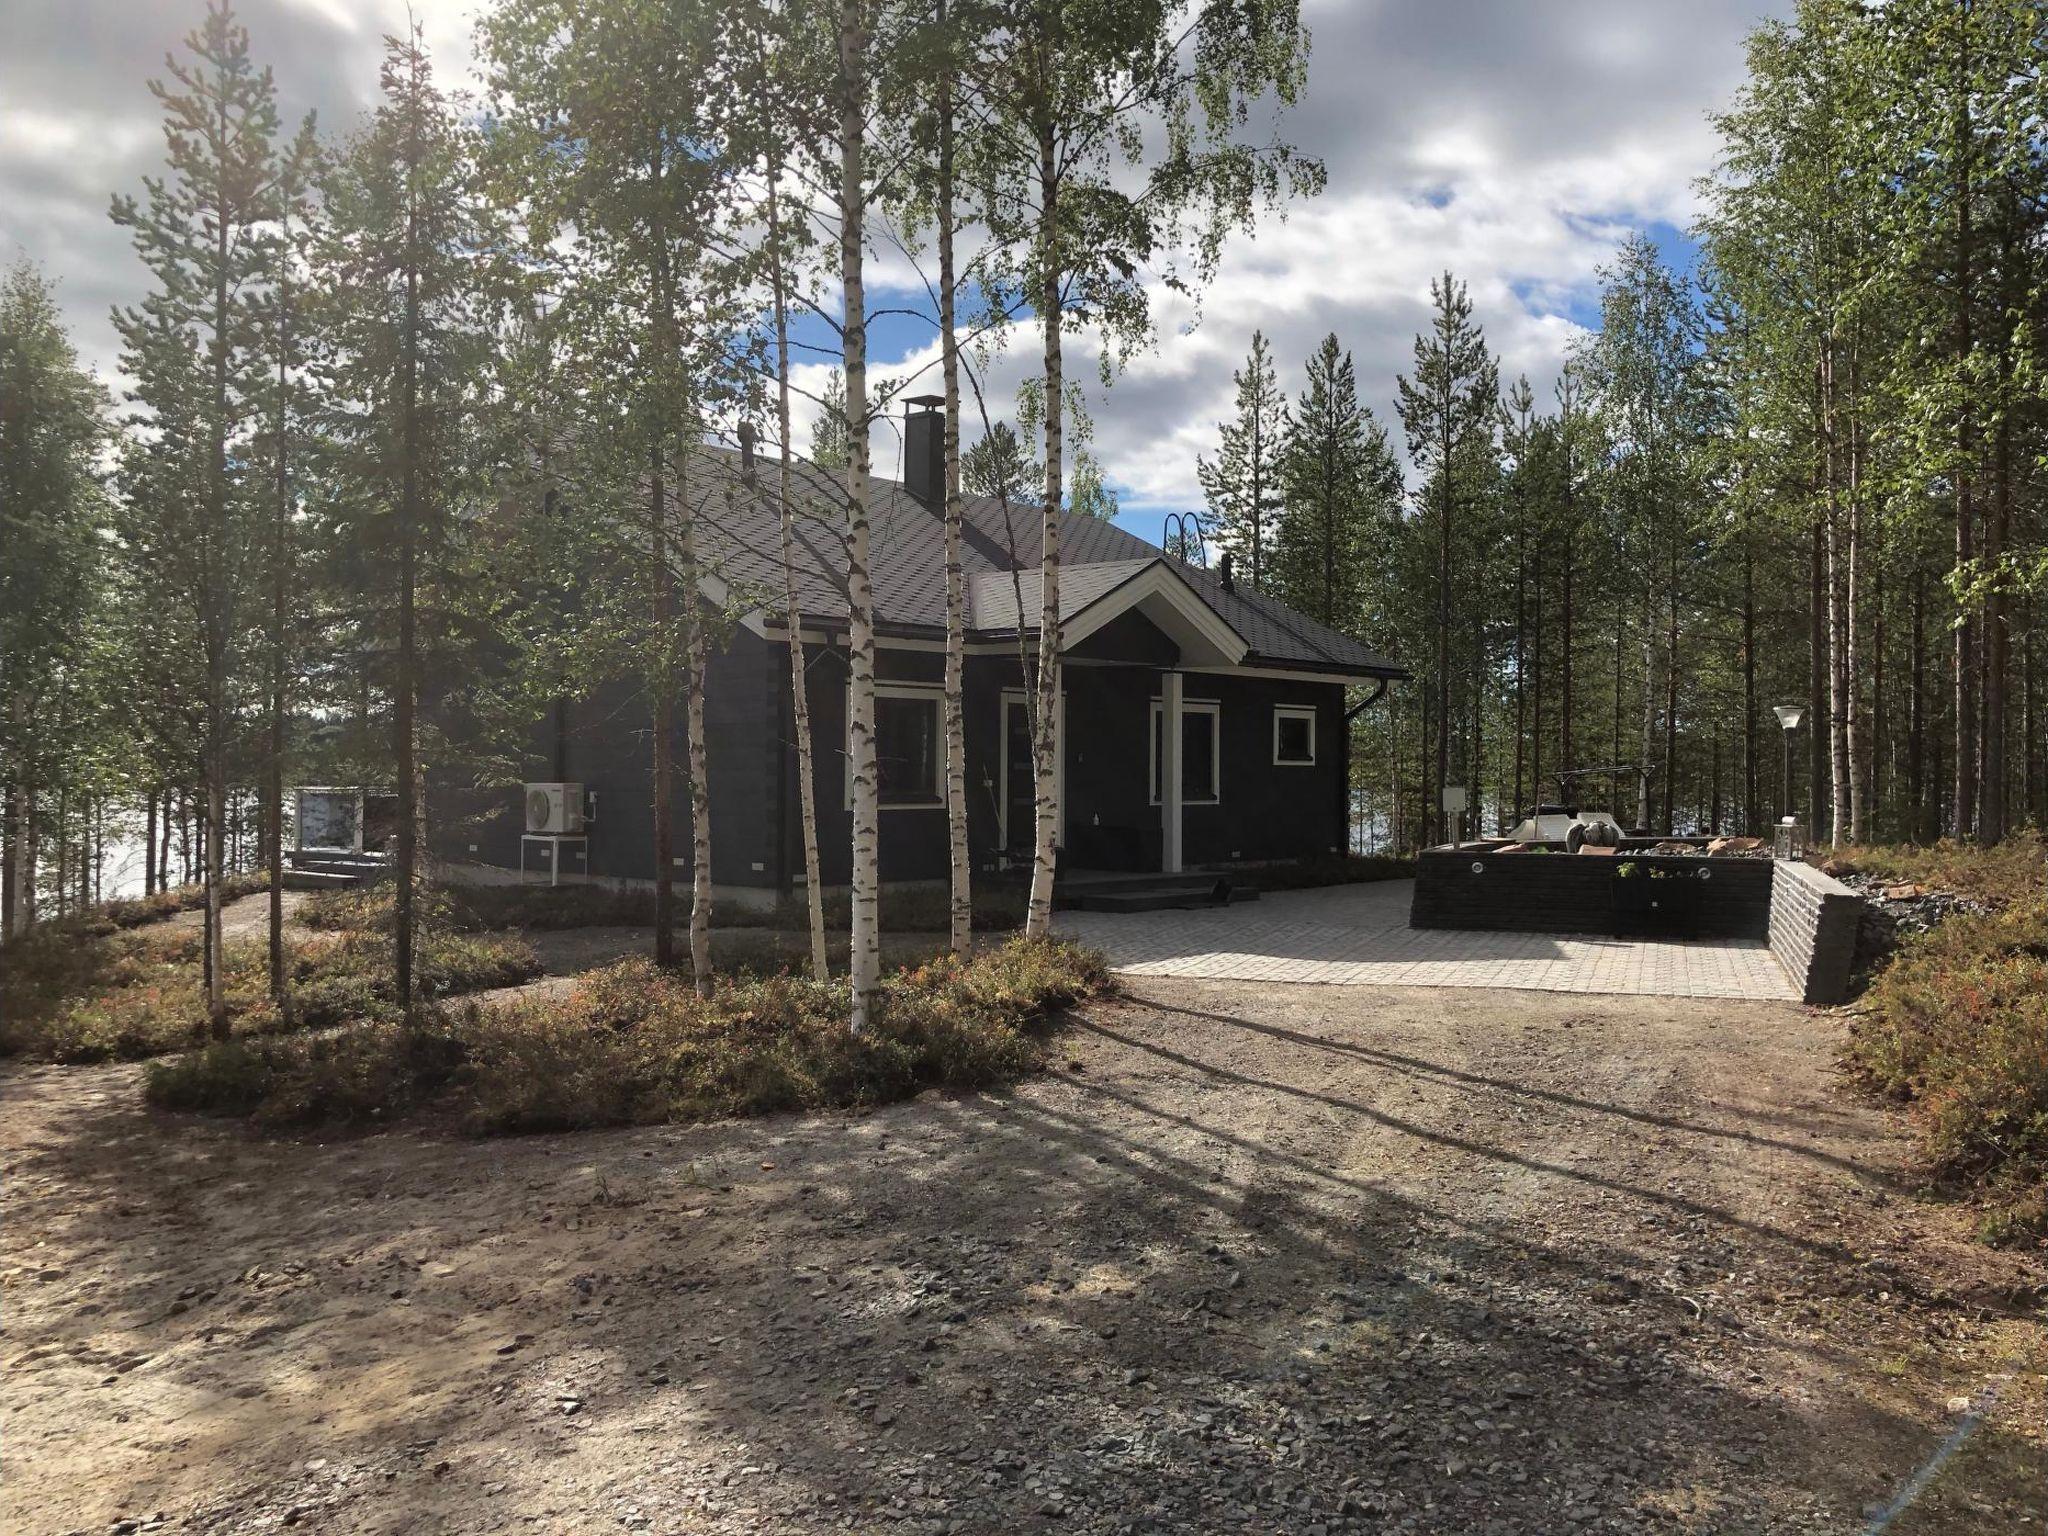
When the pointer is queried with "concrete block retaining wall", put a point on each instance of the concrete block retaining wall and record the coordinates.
(1572, 893)
(1808, 919)
(1813, 929)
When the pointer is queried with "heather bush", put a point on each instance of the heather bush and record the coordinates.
(1957, 1027)
(631, 1044)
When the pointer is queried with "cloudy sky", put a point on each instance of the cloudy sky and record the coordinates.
(1512, 143)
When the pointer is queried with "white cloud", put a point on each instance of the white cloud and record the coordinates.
(1513, 145)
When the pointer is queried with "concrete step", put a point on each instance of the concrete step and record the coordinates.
(1180, 895)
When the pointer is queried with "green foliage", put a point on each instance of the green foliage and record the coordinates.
(1341, 488)
(632, 1044)
(1243, 482)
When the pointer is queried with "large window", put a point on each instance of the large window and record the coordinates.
(907, 745)
(1294, 736)
(1201, 758)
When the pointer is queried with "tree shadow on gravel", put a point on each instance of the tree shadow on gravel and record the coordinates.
(1159, 1294)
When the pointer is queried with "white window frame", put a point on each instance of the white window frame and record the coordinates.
(1294, 712)
(933, 692)
(1155, 733)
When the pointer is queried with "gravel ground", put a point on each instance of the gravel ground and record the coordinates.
(1250, 1258)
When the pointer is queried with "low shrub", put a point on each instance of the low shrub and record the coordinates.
(631, 1044)
(128, 994)
(2015, 870)
(1957, 1027)
(921, 908)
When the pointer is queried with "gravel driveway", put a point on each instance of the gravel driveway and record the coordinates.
(1276, 1259)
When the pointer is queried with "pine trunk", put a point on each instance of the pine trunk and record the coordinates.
(662, 709)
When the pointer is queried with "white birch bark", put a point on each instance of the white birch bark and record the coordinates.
(800, 704)
(693, 703)
(961, 912)
(1044, 722)
(865, 935)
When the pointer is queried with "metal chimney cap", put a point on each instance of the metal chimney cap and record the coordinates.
(926, 402)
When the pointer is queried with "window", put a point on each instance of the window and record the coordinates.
(907, 746)
(1201, 765)
(1294, 736)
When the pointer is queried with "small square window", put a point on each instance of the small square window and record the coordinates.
(1294, 736)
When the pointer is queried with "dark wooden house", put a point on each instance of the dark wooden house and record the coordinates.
(1173, 678)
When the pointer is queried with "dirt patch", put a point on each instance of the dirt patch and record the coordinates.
(247, 916)
(1270, 1258)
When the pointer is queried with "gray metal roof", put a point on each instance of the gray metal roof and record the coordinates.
(739, 539)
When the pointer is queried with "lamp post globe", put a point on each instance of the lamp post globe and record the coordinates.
(1789, 716)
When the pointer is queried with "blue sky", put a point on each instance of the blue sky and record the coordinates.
(1514, 145)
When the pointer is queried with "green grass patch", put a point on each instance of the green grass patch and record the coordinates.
(631, 1044)
(1956, 1027)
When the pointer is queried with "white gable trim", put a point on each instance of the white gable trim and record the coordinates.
(1202, 633)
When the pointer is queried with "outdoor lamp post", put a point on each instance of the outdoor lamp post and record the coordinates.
(1789, 716)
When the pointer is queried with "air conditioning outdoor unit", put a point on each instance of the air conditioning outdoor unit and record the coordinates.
(554, 809)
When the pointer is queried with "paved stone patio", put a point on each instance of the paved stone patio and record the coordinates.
(1358, 935)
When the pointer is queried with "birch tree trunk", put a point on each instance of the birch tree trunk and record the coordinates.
(693, 703)
(799, 696)
(661, 709)
(1045, 718)
(961, 910)
(865, 923)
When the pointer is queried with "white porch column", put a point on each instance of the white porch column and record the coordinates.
(1170, 771)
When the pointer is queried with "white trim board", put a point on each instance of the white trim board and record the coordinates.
(1294, 712)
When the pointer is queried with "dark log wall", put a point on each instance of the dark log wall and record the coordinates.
(1266, 811)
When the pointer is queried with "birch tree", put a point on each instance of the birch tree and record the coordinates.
(1086, 202)
(628, 176)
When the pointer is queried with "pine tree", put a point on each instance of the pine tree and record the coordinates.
(830, 435)
(1340, 487)
(1000, 465)
(407, 352)
(1242, 483)
(53, 428)
(193, 524)
(1448, 409)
